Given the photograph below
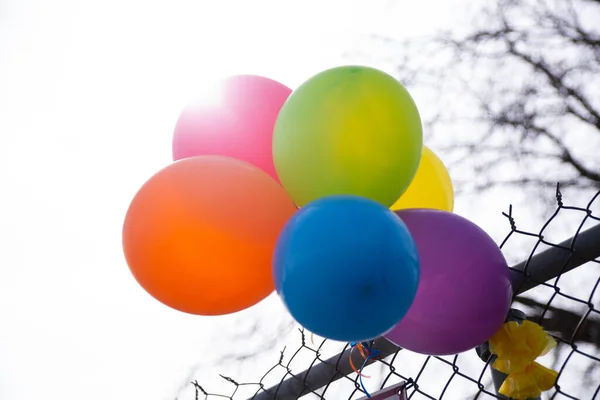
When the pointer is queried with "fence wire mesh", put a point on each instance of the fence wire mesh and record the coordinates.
(566, 304)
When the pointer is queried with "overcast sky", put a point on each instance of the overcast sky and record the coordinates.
(89, 94)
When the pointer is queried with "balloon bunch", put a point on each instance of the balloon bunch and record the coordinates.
(327, 195)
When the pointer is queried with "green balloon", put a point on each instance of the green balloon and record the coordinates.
(348, 130)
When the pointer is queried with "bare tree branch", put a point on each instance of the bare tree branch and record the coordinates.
(529, 67)
(556, 79)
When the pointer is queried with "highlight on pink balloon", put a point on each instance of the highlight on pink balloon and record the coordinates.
(234, 118)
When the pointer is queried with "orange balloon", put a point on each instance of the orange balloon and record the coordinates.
(191, 246)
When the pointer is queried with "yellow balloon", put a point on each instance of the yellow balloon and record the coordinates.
(430, 188)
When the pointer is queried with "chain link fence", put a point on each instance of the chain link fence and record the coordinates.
(556, 286)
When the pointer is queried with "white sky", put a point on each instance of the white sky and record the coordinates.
(89, 94)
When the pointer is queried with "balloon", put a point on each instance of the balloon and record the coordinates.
(464, 293)
(431, 186)
(348, 130)
(346, 268)
(238, 123)
(189, 244)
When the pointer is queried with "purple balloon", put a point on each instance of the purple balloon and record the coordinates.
(464, 291)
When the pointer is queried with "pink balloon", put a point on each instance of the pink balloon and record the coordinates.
(237, 123)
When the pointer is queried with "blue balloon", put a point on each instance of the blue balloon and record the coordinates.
(346, 268)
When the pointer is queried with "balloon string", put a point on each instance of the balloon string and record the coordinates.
(352, 362)
(372, 354)
(362, 349)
